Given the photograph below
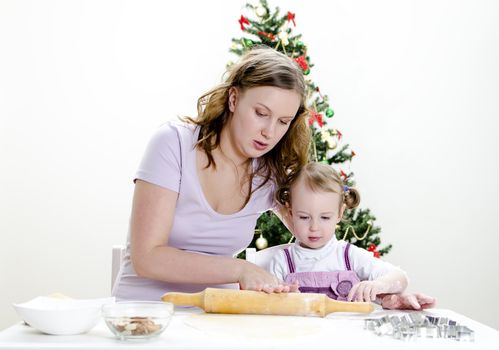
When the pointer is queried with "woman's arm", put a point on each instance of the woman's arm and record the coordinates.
(153, 212)
(407, 301)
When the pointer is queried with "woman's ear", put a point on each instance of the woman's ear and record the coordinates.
(233, 95)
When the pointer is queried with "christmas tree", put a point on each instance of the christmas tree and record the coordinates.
(275, 29)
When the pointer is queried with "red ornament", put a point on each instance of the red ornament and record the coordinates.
(353, 154)
(242, 21)
(339, 134)
(267, 35)
(316, 117)
(302, 62)
(319, 91)
(291, 17)
(342, 173)
(377, 254)
(372, 247)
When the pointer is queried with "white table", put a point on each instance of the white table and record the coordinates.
(192, 329)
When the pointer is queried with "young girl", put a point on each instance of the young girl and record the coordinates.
(319, 263)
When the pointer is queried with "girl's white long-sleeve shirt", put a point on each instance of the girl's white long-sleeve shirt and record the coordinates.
(330, 258)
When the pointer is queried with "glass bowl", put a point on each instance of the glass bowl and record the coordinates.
(137, 319)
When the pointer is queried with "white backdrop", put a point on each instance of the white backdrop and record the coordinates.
(84, 84)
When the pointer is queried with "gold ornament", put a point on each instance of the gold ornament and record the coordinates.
(283, 36)
(326, 136)
(260, 11)
(261, 242)
(350, 227)
(332, 144)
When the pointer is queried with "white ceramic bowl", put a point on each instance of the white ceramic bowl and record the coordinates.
(137, 319)
(62, 316)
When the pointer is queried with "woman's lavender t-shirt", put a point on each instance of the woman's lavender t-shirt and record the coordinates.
(170, 162)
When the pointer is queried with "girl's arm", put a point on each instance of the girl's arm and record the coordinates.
(392, 282)
(152, 217)
(378, 276)
(387, 285)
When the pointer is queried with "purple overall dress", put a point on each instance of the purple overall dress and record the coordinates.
(335, 284)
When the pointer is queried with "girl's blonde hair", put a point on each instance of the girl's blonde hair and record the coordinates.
(320, 177)
(261, 66)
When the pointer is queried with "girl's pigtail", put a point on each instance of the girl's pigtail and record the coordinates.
(351, 197)
(283, 197)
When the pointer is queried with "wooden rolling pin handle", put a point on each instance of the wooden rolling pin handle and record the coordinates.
(344, 306)
(185, 299)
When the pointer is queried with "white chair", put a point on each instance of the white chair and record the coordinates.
(262, 257)
(118, 254)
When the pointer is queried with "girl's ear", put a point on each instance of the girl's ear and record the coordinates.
(233, 95)
(340, 214)
(287, 209)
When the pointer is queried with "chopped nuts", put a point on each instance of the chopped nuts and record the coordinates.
(135, 326)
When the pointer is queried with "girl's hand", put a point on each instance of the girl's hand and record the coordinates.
(407, 301)
(255, 278)
(367, 291)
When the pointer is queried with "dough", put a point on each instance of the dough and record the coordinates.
(256, 326)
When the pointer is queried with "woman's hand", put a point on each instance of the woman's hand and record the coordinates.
(253, 277)
(407, 301)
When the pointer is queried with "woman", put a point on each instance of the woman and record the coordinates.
(203, 182)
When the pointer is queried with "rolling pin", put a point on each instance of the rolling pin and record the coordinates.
(233, 301)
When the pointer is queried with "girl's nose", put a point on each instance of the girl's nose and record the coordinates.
(313, 225)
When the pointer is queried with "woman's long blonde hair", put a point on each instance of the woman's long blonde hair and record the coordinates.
(262, 66)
